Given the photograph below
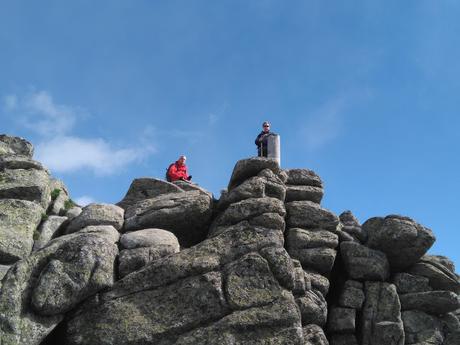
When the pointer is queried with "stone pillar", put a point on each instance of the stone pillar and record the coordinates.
(273, 148)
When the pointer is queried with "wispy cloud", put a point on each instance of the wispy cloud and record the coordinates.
(58, 148)
(69, 154)
(39, 113)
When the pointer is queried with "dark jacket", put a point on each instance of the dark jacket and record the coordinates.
(261, 142)
(178, 172)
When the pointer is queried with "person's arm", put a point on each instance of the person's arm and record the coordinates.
(259, 139)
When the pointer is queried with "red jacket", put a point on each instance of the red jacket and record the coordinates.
(178, 172)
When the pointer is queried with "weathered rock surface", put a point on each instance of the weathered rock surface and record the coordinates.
(37, 291)
(341, 320)
(381, 316)
(363, 263)
(352, 295)
(433, 302)
(31, 185)
(440, 275)
(421, 328)
(240, 278)
(19, 162)
(147, 188)
(58, 205)
(18, 221)
(310, 193)
(313, 308)
(352, 227)
(309, 215)
(250, 167)
(143, 247)
(10, 145)
(186, 215)
(97, 214)
(47, 230)
(402, 240)
(408, 283)
(314, 335)
(303, 177)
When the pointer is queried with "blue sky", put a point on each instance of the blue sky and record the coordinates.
(365, 93)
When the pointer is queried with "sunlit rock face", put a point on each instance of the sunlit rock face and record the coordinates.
(169, 264)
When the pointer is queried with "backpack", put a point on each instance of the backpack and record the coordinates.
(168, 178)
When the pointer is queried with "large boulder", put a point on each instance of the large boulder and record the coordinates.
(250, 283)
(362, 263)
(422, 328)
(265, 184)
(186, 214)
(440, 273)
(297, 238)
(97, 214)
(433, 302)
(143, 247)
(204, 257)
(277, 323)
(19, 162)
(148, 316)
(37, 291)
(303, 177)
(248, 209)
(409, 283)
(250, 167)
(309, 215)
(31, 185)
(381, 322)
(19, 220)
(402, 239)
(319, 259)
(310, 193)
(149, 238)
(10, 145)
(147, 188)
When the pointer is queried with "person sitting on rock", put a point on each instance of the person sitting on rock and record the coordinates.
(261, 140)
(178, 171)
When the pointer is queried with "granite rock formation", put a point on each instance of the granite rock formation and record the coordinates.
(170, 265)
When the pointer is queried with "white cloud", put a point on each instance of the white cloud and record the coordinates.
(63, 152)
(84, 200)
(42, 115)
(69, 154)
(324, 125)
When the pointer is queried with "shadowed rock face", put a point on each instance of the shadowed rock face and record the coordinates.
(265, 264)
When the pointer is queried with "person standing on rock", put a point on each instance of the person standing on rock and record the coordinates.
(261, 140)
(178, 171)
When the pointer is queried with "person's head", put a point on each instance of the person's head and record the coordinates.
(182, 160)
(266, 126)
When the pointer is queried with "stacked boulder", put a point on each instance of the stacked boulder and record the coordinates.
(181, 208)
(391, 288)
(235, 287)
(169, 265)
(312, 237)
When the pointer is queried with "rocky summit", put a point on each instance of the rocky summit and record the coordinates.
(171, 265)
